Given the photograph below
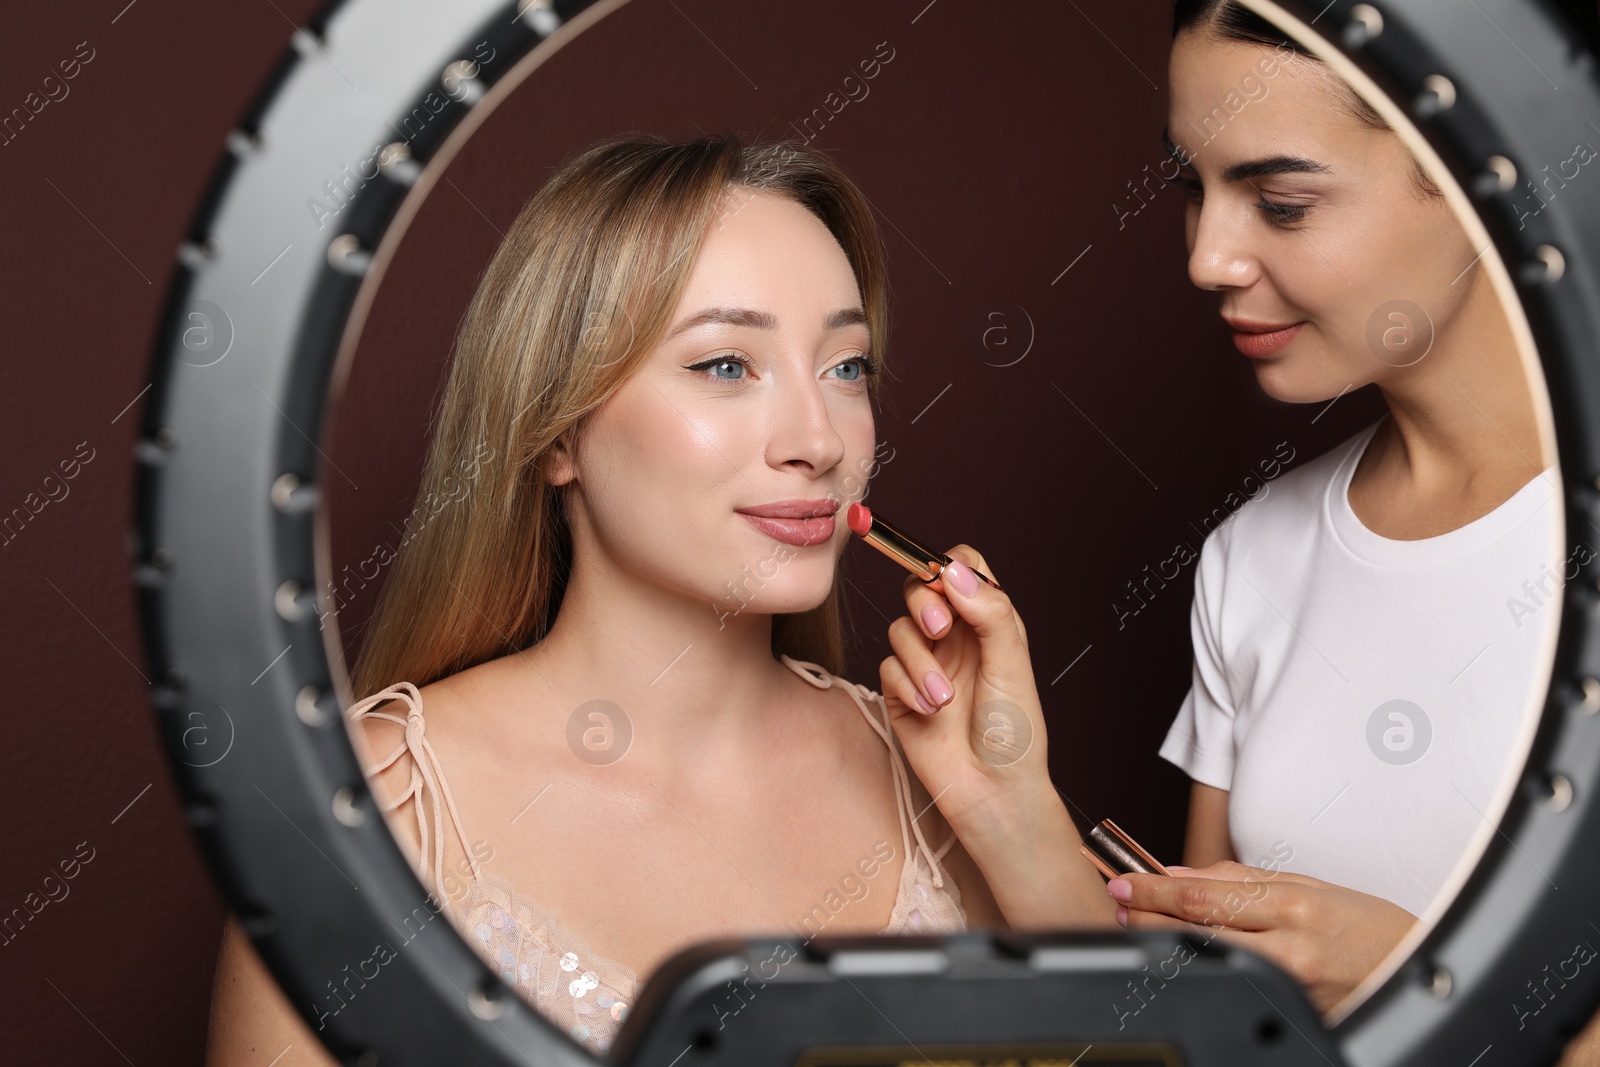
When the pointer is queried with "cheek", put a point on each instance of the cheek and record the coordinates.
(1314, 272)
(659, 459)
(1336, 276)
(854, 424)
(661, 474)
(861, 462)
(1430, 252)
(1399, 248)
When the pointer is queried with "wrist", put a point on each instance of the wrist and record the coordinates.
(1027, 847)
(1018, 819)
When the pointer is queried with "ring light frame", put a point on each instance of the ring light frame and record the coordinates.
(230, 547)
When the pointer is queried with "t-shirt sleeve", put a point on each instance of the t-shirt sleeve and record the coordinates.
(1201, 737)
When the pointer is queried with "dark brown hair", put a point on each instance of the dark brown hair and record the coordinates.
(1230, 21)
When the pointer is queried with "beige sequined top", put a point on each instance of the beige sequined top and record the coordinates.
(551, 965)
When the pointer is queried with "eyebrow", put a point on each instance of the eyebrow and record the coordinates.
(1255, 168)
(764, 320)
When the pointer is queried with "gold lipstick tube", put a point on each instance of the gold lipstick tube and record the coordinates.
(910, 553)
(1111, 850)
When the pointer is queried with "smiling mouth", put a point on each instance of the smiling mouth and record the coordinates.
(1260, 340)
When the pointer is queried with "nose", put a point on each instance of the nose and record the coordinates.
(1219, 252)
(803, 432)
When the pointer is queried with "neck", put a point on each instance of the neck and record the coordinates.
(691, 675)
(1467, 409)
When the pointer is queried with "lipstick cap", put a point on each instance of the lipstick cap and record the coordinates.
(1115, 854)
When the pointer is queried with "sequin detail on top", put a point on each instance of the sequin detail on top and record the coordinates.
(583, 993)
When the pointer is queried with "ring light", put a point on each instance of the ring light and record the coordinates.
(353, 128)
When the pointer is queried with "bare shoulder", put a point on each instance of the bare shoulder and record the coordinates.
(252, 1020)
(846, 735)
(379, 735)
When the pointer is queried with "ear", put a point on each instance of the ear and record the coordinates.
(558, 463)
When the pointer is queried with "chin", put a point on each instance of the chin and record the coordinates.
(798, 595)
(797, 609)
(779, 585)
(1281, 380)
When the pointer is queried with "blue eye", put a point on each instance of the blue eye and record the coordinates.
(868, 366)
(727, 359)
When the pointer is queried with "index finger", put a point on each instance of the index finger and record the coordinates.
(929, 597)
(1243, 905)
(1234, 871)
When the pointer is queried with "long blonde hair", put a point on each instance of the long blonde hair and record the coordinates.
(578, 293)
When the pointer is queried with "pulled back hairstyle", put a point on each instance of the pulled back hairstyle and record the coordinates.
(581, 289)
(1227, 20)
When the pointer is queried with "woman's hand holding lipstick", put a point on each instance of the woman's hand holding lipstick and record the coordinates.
(962, 700)
(1327, 936)
(961, 695)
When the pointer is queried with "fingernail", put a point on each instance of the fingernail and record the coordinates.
(1122, 917)
(961, 576)
(923, 704)
(1175, 867)
(937, 688)
(1120, 889)
(934, 618)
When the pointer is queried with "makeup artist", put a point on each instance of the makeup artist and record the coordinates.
(1358, 679)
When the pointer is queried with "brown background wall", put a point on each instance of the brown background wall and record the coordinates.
(998, 145)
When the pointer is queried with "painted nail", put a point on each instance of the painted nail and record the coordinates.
(961, 577)
(923, 704)
(1120, 889)
(937, 688)
(1122, 917)
(934, 618)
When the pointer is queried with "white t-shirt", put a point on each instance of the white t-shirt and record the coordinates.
(1359, 696)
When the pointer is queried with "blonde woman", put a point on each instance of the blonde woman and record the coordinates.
(599, 695)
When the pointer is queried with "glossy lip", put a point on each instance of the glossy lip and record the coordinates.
(1248, 326)
(792, 509)
(1259, 340)
(794, 522)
